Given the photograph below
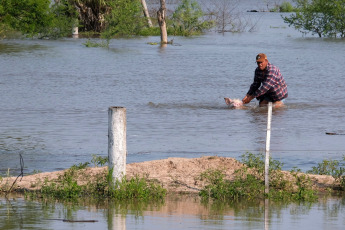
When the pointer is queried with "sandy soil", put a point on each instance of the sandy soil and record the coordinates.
(177, 175)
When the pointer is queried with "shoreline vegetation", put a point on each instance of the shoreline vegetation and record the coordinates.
(210, 177)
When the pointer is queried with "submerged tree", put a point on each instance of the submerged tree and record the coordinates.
(125, 18)
(146, 13)
(322, 17)
(161, 16)
(226, 16)
(188, 19)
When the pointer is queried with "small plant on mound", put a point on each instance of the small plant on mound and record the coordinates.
(334, 168)
(249, 183)
(99, 160)
(67, 187)
(138, 189)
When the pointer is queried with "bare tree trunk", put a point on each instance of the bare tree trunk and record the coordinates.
(162, 23)
(146, 12)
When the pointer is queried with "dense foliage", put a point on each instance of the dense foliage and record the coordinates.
(111, 18)
(124, 19)
(37, 18)
(322, 17)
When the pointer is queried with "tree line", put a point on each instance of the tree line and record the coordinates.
(114, 18)
(108, 18)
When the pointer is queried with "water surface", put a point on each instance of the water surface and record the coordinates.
(55, 97)
(175, 213)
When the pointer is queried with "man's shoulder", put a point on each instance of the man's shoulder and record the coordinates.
(272, 68)
(270, 65)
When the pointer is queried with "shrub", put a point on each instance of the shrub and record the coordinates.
(286, 7)
(249, 183)
(187, 19)
(334, 168)
(322, 17)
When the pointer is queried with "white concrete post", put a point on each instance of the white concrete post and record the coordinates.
(268, 140)
(75, 30)
(117, 145)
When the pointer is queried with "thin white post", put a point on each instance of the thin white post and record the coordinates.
(117, 146)
(268, 140)
(267, 206)
(116, 220)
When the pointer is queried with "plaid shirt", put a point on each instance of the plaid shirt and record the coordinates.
(269, 82)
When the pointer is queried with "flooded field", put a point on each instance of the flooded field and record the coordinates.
(56, 95)
(54, 105)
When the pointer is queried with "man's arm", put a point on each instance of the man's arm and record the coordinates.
(253, 87)
(247, 99)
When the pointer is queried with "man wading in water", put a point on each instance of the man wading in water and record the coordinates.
(268, 86)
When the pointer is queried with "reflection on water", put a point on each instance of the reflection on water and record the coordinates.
(181, 212)
(13, 48)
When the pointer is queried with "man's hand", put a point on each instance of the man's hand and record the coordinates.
(247, 99)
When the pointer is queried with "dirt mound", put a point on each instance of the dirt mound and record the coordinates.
(175, 174)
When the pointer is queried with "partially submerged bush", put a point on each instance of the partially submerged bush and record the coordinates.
(284, 7)
(188, 19)
(249, 183)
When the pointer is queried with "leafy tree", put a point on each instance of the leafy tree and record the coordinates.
(38, 18)
(187, 19)
(27, 16)
(321, 17)
(124, 19)
(4, 28)
(64, 18)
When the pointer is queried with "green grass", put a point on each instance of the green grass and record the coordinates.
(66, 187)
(248, 183)
(90, 43)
